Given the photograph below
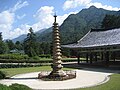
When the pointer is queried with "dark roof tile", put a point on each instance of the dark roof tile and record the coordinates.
(99, 38)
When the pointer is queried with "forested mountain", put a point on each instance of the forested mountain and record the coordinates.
(77, 25)
(22, 37)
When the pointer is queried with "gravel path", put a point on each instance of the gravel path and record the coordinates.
(84, 78)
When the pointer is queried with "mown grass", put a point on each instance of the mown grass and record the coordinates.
(112, 84)
(13, 71)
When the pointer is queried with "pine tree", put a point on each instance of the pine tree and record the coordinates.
(3, 46)
(29, 44)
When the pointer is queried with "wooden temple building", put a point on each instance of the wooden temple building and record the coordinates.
(99, 47)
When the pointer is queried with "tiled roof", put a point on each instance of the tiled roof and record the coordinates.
(97, 38)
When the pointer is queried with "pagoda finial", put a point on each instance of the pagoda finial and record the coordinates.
(55, 17)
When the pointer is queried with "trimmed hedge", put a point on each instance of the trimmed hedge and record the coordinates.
(22, 65)
(45, 56)
(14, 87)
(4, 87)
(32, 61)
(2, 75)
(18, 58)
(13, 56)
(24, 61)
(19, 87)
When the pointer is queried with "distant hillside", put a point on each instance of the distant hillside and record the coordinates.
(22, 37)
(77, 25)
(45, 36)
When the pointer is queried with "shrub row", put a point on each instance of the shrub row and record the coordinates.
(2, 75)
(45, 56)
(13, 56)
(24, 61)
(21, 65)
(20, 56)
(14, 87)
(31, 61)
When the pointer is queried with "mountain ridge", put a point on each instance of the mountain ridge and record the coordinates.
(75, 26)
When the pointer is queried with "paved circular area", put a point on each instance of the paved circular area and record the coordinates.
(84, 79)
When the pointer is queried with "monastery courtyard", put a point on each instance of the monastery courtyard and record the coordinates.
(86, 77)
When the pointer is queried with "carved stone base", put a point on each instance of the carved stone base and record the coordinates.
(59, 73)
(59, 76)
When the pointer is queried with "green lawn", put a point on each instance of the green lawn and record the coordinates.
(14, 71)
(112, 84)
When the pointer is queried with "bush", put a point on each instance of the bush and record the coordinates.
(13, 56)
(35, 58)
(14, 87)
(2, 75)
(4, 87)
(45, 56)
(19, 87)
(21, 65)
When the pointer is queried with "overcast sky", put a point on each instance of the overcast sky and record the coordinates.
(17, 16)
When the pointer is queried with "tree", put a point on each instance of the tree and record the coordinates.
(3, 46)
(18, 45)
(10, 44)
(45, 47)
(0, 36)
(29, 44)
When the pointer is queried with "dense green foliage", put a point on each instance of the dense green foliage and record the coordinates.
(10, 44)
(34, 48)
(22, 65)
(4, 87)
(14, 56)
(2, 75)
(18, 45)
(26, 60)
(14, 87)
(3, 46)
(19, 87)
(30, 44)
(111, 21)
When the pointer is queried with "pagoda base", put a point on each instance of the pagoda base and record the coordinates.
(57, 76)
(59, 73)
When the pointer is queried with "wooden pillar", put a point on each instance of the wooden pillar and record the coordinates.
(96, 56)
(91, 58)
(78, 58)
(87, 57)
(107, 58)
(114, 56)
(102, 56)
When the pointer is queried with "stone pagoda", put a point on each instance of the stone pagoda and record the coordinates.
(57, 73)
(56, 66)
